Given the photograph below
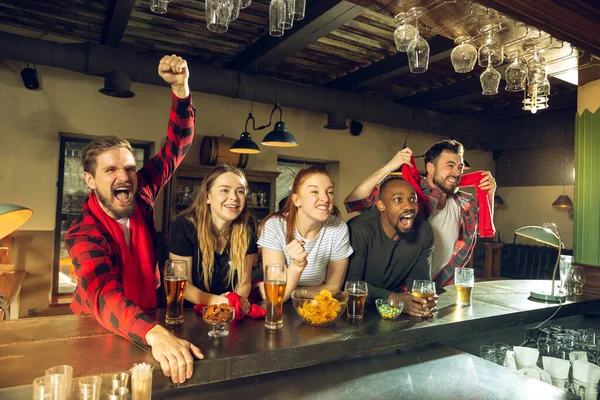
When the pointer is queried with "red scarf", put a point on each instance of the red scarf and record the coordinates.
(486, 223)
(138, 259)
(486, 228)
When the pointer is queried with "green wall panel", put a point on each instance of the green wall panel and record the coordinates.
(587, 188)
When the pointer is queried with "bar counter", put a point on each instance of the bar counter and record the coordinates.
(29, 346)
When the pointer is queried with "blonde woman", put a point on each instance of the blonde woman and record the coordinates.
(213, 236)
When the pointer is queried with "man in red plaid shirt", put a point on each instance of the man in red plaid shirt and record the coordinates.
(453, 214)
(113, 243)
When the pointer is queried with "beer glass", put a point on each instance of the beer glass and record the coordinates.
(275, 283)
(49, 387)
(423, 289)
(357, 296)
(175, 281)
(464, 279)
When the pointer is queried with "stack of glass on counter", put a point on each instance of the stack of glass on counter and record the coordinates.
(57, 384)
(567, 358)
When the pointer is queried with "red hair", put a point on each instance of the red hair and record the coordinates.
(289, 212)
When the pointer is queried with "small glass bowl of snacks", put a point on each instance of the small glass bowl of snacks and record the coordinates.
(389, 308)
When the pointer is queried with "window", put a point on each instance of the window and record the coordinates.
(71, 193)
(288, 168)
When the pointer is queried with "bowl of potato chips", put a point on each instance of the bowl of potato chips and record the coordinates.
(319, 308)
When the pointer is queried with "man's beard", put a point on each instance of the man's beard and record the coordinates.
(441, 183)
(119, 214)
(410, 235)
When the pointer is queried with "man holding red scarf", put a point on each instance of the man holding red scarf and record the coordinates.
(457, 217)
(113, 243)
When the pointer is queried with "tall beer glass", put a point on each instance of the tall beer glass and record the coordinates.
(357, 297)
(464, 279)
(175, 281)
(275, 283)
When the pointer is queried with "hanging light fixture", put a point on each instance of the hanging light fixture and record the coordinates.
(279, 136)
(245, 145)
(562, 201)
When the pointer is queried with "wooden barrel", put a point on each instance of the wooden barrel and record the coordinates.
(215, 150)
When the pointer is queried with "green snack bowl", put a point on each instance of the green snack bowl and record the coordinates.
(389, 308)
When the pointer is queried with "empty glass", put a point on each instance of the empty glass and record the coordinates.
(49, 387)
(218, 15)
(235, 9)
(464, 55)
(67, 372)
(404, 34)
(536, 70)
(578, 279)
(418, 55)
(488, 352)
(159, 6)
(245, 3)
(120, 379)
(276, 18)
(299, 9)
(288, 21)
(89, 387)
(544, 88)
(490, 81)
(565, 269)
(515, 75)
(492, 52)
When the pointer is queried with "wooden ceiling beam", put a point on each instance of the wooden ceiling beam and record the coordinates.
(397, 64)
(117, 17)
(320, 19)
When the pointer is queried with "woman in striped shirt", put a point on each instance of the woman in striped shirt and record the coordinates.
(307, 235)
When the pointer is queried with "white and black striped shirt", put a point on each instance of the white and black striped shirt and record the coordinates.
(331, 244)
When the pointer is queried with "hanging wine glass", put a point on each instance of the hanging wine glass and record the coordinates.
(515, 74)
(290, 6)
(158, 6)
(245, 3)
(276, 18)
(405, 33)
(235, 10)
(299, 9)
(464, 55)
(490, 80)
(418, 49)
(218, 15)
(536, 69)
(492, 52)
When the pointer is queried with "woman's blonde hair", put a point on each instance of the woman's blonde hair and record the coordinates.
(208, 237)
(289, 212)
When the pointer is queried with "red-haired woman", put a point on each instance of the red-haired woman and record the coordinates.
(307, 235)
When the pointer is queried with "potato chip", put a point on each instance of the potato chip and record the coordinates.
(322, 309)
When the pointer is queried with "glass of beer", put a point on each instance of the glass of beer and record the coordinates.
(464, 279)
(275, 283)
(357, 297)
(175, 281)
(423, 289)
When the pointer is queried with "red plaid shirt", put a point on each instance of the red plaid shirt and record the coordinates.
(463, 248)
(94, 252)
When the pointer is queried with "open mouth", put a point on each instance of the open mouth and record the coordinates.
(453, 180)
(122, 194)
(232, 207)
(406, 220)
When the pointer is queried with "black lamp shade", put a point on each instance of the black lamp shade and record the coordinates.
(498, 201)
(563, 201)
(245, 145)
(117, 84)
(280, 137)
(336, 121)
(466, 165)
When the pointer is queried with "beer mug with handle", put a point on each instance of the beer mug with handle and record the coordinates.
(175, 278)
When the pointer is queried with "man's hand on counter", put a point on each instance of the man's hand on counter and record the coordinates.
(173, 354)
(416, 306)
